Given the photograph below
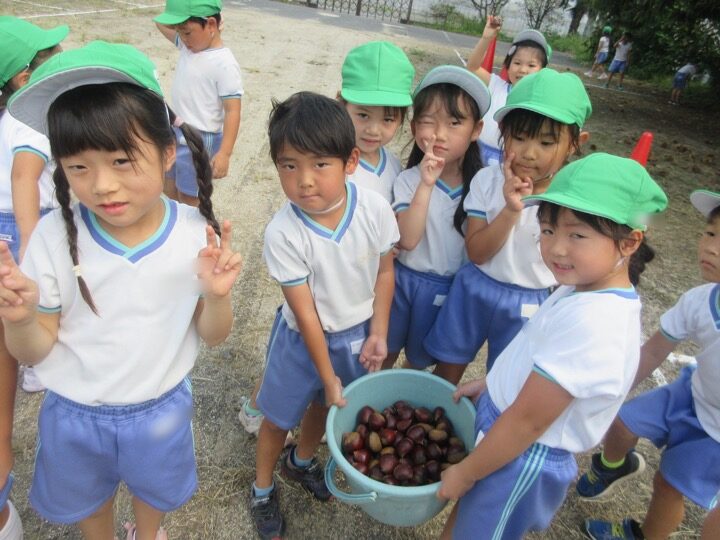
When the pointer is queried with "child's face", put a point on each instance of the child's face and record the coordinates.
(526, 60)
(195, 36)
(122, 191)
(313, 183)
(709, 251)
(579, 255)
(373, 128)
(453, 135)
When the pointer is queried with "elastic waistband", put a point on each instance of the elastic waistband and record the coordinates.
(9, 217)
(435, 278)
(505, 285)
(339, 334)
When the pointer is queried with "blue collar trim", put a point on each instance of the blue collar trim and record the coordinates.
(325, 232)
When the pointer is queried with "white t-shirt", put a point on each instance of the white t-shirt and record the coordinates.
(696, 316)
(622, 50)
(16, 137)
(442, 249)
(688, 69)
(380, 178)
(490, 134)
(604, 45)
(518, 261)
(340, 266)
(144, 341)
(589, 344)
(202, 81)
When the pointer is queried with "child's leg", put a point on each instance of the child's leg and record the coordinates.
(666, 510)
(711, 526)
(389, 362)
(450, 372)
(147, 519)
(449, 524)
(312, 428)
(271, 441)
(619, 440)
(99, 526)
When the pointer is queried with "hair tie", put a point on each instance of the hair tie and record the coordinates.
(77, 271)
(178, 122)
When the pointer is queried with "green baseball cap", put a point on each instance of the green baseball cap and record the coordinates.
(536, 37)
(560, 96)
(179, 11)
(97, 62)
(616, 188)
(705, 201)
(461, 77)
(379, 74)
(20, 41)
(607, 29)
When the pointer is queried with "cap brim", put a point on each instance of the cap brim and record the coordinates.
(170, 19)
(31, 106)
(537, 108)
(376, 98)
(535, 37)
(53, 37)
(705, 201)
(461, 77)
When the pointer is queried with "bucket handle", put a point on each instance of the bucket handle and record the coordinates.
(348, 498)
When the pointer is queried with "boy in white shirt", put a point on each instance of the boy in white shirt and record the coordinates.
(621, 60)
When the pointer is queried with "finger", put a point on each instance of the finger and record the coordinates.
(211, 237)
(6, 258)
(507, 165)
(226, 236)
(234, 263)
(430, 142)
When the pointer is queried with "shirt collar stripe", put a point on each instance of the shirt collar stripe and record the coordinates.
(715, 306)
(339, 231)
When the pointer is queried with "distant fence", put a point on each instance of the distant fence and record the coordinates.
(391, 10)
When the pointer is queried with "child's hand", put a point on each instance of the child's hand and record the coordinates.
(218, 267)
(515, 188)
(472, 390)
(431, 165)
(220, 163)
(19, 295)
(492, 26)
(455, 483)
(373, 352)
(333, 393)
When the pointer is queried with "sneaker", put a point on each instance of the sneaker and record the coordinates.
(606, 85)
(602, 76)
(13, 529)
(265, 512)
(30, 381)
(628, 529)
(130, 530)
(600, 482)
(588, 73)
(251, 423)
(621, 87)
(312, 477)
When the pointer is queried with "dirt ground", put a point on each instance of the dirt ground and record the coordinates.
(279, 57)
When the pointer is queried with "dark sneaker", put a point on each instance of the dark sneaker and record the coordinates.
(265, 512)
(312, 478)
(628, 529)
(599, 482)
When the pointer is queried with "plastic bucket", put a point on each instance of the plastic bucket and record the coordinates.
(393, 505)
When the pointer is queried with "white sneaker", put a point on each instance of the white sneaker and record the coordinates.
(30, 381)
(602, 76)
(13, 529)
(588, 73)
(250, 422)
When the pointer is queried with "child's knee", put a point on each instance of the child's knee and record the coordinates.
(662, 488)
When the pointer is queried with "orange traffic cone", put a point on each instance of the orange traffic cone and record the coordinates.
(642, 149)
(489, 59)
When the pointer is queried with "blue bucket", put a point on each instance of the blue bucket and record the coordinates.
(393, 505)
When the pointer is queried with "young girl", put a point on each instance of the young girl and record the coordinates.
(114, 293)
(448, 107)
(556, 388)
(528, 53)
(493, 295)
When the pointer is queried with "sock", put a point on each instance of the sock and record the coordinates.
(262, 492)
(250, 411)
(299, 463)
(611, 464)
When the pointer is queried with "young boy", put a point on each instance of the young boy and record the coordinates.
(683, 417)
(680, 82)
(601, 54)
(206, 90)
(330, 248)
(621, 60)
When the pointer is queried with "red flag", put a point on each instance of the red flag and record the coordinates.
(489, 59)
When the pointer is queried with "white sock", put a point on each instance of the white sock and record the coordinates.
(13, 529)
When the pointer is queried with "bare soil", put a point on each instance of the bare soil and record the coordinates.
(278, 58)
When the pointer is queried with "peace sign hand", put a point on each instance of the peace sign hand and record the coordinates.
(19, 295)
(431, 165)
(218, 267)
(515, 188)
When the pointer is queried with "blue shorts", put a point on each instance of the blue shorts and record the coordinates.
(291, 382)
(10, 234)
(5, 492)
(690, 461)
(617, 66)
(601, 57)
(416, 303)
(479, 308)
(490, 155)
(84, 452)
(522, 496)
(184, 170)
(680, 81)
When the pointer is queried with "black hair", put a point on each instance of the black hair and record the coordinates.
(450, 96)
(525, 43)
(549, 212)
(313, 124)
(7, 90)
(526, 123)
(388, 109)
(202, 21)
(714, 215)
(112, 117)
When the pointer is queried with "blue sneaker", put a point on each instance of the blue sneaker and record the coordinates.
(312, 477)
(628, 529)
(265, 511)
(600, 482)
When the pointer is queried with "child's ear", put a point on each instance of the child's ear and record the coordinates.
(631, 243)
(169, 157)
(352, 162)
(477, 130)
(21, 79)
(583, 138)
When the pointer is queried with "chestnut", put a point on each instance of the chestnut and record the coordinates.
(432, 468)
(390, 421)
(388, 450)
(376, 474)
(388, 462)
(438, 413)
(376, 422)
(418, 455)
(433, 451)
(361, 456)
(419, 475)
(422, 415)
(455, 455)
(364, 414)
(438, 435)
(405, 413)
(403, 425)
(403, 472)
(361, 467)
(415, 433)
(363, 430)
(352, 441)
(403, 446)
(400, 405)
(374, 443)
(388, 436)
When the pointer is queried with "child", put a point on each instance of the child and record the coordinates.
(601, 54)
(330, 248)
(683, 417)
(492, 296)
(680, 82)
(118, 406)
(528, 53)
(448, 107)
(621, 60)
(206, 90)
(555, 389)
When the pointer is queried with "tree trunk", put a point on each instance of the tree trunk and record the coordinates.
(577, 15)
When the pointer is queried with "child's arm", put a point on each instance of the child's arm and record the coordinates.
(26, 170)
(168, 31)
(8, 384)
(490, 32)
(374, 350)
(653, 353)
(218, 268)
(537, 406)
(231, 128)
(483, 240)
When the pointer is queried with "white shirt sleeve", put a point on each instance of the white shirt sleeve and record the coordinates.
(286, 263)
(389, 232)
(477, 202)
(26, 139)
(229, 78)
(38, 264)
(403, 191)
(677, 323)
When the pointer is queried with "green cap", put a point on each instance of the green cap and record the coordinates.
(461, 77)
(616, 188)
(97, 62)
(607, 29)
(377, 74)
(560, 96)
(705, 201)
(179, 11)
(20, 41)
(536, 37)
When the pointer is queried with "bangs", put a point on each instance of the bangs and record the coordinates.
(526, 123)
(549, 212)
(451, 97)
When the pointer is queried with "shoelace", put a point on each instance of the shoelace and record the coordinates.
(618, 529)
(263, 509)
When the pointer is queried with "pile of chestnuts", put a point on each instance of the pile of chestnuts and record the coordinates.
(403, 445)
